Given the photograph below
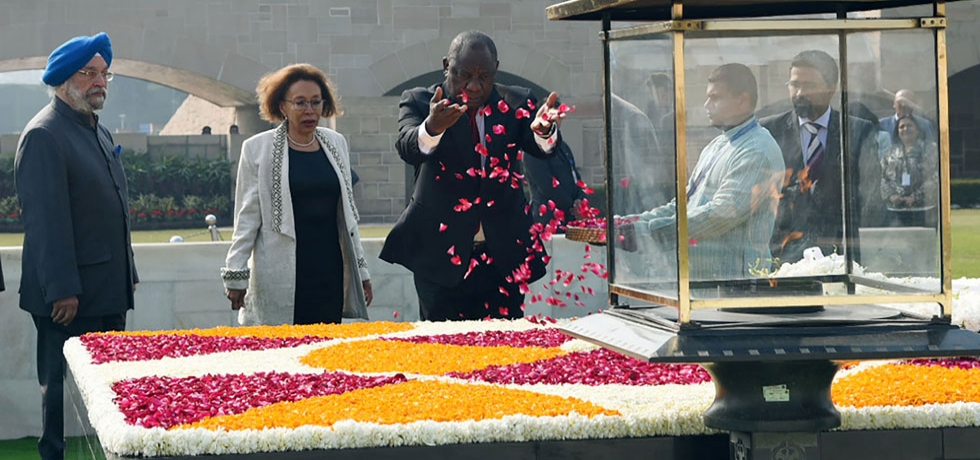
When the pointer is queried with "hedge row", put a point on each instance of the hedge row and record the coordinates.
(965, 193)
(163, 192)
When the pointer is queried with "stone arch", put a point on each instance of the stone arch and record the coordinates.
(217, 92)
(420, 64)
(167, 57)
(504, 78)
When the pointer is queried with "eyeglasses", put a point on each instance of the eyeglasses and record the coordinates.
(302, 105)
(90, 74)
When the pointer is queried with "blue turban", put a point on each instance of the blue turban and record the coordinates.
(73, 55)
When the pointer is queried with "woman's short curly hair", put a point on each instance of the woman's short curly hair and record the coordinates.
(273, 86)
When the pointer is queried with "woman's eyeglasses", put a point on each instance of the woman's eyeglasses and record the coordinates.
(302, 105)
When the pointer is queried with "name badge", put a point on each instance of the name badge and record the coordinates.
(906, 179)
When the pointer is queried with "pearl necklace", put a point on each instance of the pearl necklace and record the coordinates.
(298, 144)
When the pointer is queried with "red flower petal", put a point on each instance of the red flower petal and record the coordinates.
(473, 264)
(502, 106)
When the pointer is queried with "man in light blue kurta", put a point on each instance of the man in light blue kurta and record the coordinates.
(733, 190)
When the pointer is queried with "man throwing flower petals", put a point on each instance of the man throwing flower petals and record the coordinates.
(465, 233)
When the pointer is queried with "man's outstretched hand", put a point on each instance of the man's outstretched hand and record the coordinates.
(442, 114)
(548, 117)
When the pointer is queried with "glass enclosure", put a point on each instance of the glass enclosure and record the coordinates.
(808, 157)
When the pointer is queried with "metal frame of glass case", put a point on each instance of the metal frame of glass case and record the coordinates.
(794, 343)
(679, 26)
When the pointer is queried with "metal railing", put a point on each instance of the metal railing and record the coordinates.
(212, 222)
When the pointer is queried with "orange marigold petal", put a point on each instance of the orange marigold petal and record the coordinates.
(420, 358)
(907, 385)
(407, 402)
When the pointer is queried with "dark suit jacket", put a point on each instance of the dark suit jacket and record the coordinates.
(541, 174)
(74, 202)
(442, 179)
(806, 219)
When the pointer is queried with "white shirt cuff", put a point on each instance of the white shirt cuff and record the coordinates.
(547, 144)
(427, 142)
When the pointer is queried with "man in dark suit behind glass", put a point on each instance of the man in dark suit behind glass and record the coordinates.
(466, 232)
(810, 210)
(556, 180)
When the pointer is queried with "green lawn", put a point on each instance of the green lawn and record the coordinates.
(966, 243)
(26, 449)
(20, 449)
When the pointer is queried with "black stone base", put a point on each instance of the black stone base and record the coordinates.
(786, 396)
(939, 444)
(663, 448)
(931, 444)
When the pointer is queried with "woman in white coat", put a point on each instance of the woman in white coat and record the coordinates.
(296, 254)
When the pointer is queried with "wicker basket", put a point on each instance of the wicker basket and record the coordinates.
(596, 236)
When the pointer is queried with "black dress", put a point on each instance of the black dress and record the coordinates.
(315, 192)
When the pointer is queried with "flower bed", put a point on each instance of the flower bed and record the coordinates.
(269, 389)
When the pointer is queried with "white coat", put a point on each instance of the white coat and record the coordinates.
(262, 256)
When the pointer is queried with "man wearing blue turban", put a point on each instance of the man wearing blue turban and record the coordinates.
(78, 273)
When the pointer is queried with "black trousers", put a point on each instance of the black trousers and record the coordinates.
(476, 297)
(51, 339)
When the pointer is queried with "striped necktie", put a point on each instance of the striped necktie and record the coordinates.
(814, 150)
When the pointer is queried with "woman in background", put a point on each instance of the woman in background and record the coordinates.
(296, 254)
(910, 175)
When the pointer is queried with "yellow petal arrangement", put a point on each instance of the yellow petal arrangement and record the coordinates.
(412, 401)
(420, 358)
